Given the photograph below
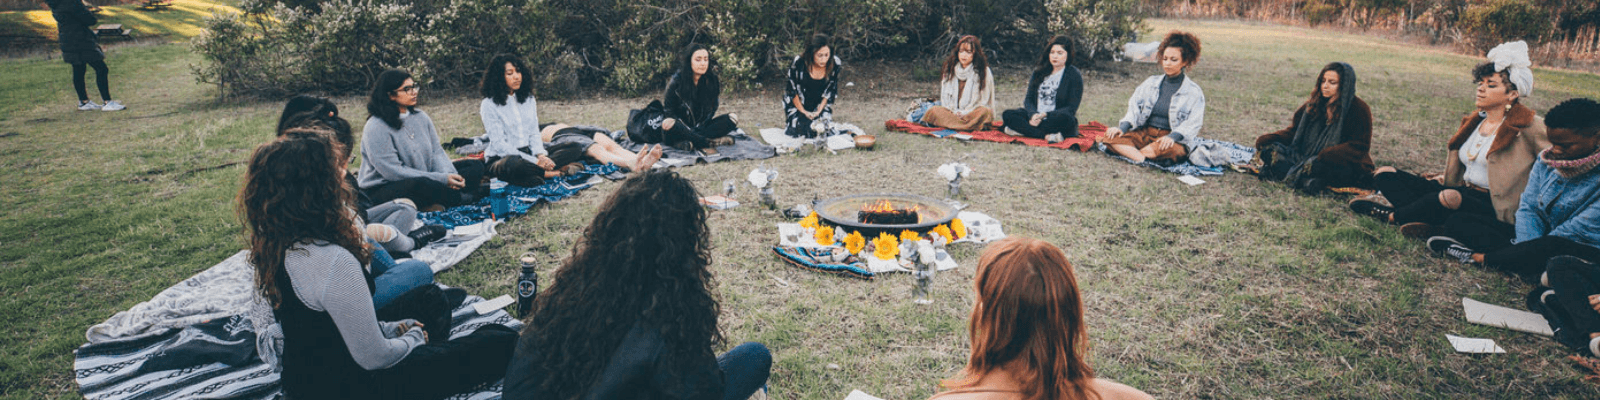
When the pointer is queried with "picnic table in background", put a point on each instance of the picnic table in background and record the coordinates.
(153, 5)
(104, 30)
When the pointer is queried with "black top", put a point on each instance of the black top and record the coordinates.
(316, 362)
(813, 91)
(636, 370)
(1069, 93)
(691, 103)
(1158, 115)
(74, 29)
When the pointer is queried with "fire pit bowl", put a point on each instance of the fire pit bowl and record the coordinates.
(848, 213)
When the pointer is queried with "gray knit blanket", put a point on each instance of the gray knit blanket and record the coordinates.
(211, 337)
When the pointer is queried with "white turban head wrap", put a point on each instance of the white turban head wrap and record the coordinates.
(1512, 58)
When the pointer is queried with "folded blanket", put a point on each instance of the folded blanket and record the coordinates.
(817, 259)
(519, 198)
(225, 289)
(1087, 134)
(1237, 155)
(743, 148)
(203, 361)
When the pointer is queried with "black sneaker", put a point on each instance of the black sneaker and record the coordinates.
(1372, 209)
(427, 234)
(1449, 248)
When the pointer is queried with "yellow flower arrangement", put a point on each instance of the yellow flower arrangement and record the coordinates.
(810, 221)
(854, 242)
(944, 231)
(957, 228)
(824, 235)
(887, 246)
(909, 236)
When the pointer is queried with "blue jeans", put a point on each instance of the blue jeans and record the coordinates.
(745, 369)
(391, 279)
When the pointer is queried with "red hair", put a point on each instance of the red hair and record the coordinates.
(1028, 320)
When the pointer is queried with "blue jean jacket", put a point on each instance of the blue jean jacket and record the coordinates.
(1556, 206)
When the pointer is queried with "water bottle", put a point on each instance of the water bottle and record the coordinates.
(527, 286)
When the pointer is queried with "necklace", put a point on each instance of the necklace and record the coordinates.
(1479, 139)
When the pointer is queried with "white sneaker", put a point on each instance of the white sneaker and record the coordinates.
(89, 106)
(113, 105)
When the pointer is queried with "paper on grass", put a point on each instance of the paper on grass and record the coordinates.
(1492, 315)
(488, 306)
(1474, 345)
(859, 395)
(1190, 179)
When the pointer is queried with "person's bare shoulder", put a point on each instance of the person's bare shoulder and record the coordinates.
(1110, 390)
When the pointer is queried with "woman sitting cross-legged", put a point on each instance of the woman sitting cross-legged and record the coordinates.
(1559, 213)
(966, 89)
(400, 152)
(1327, 140)
(1166, 112)
(1050, 109)
(510, 114)
(632, 314)
(813, 87)
(308, 253)
(1028, 335)
(691, 103)
(1489, 158)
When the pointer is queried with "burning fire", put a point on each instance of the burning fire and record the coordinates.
(886, 207)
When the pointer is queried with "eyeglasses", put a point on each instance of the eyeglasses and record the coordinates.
(411, 89)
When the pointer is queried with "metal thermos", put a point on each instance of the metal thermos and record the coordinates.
(527, 286)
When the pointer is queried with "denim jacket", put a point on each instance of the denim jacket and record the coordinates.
(1556, 206)
(1187, 113)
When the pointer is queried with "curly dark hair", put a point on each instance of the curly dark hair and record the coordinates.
(1184, 41)
(1581, 115)
(643, 261)
(293, 193)
(1486, 70)
(980, 62)
(493, 86)
(379, 105)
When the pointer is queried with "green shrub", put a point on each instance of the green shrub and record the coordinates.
(280, 47)
(1319, 12)
(1505, 20)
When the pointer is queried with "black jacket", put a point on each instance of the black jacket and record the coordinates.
(1068, 94)
(74, 24)
(693, 104)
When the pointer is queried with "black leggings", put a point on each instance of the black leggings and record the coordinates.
(1416, 199)
(427, 192)
(1492, 238)
(700, 135)
(102, 80)
(1017, 119)
(1574, 280)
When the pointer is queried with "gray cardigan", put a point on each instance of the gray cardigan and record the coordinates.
(413, 151)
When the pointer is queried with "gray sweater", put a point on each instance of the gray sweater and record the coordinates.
(327, 278)
(413, 151)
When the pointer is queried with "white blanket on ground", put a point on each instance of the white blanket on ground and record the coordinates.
(223, 290)
(460, 243)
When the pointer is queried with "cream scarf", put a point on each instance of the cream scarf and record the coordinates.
(952, 96)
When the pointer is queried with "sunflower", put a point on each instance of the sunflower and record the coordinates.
(810, 221)
(824, 235)
(944, 231)
(887, 246)
(854, 242)
(957, 228)
(909, 236)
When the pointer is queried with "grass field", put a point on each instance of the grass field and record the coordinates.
(1231, 289)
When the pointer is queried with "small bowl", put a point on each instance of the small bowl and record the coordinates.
(865, 142)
